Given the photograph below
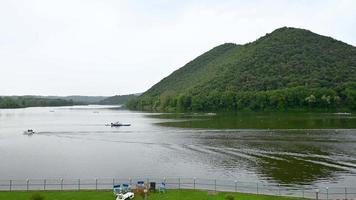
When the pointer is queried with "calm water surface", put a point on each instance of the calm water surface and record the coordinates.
(73, 142)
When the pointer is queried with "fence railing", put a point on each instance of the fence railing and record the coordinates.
(182, 183)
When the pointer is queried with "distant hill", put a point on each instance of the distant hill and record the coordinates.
(79, 99)
(118, 99)
(289, 68)
(36, 101)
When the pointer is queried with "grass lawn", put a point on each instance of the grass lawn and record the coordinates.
(107, 195)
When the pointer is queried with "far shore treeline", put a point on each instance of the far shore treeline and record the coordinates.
(288, 69)
(37, 101)
(28, 101)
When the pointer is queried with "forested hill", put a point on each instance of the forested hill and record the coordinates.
(117, 99)
(286, 69)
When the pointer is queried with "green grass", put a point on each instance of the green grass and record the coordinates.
(107, 195)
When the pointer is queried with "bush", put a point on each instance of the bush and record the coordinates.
(229, 197)
(36, 197)
(140, 192)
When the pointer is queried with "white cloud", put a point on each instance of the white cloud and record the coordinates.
(116, 47)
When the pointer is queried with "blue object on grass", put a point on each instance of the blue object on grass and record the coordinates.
(162, 187)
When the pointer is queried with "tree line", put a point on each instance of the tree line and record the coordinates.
(293, 98)
(22, 102)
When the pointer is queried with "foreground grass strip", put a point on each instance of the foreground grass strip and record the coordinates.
(107, 195)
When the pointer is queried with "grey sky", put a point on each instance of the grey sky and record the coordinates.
(108, 47)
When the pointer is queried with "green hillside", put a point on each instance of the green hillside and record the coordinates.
(117, 99)
(289, 68)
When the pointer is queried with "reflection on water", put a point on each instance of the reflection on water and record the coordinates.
(251, 120)
(288, 148)
(284, 156)
(74, 142)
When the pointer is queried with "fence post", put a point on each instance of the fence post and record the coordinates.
(257, 187)
(327, 193)
(96, 184)
(78, 184)
(317, 194)
(113, 182)
(148, 182)
(27, 183)
(10, 185)
(178, 183)
(345, 193)
(279, 189)
(235, 185)
(194, 183)
(44, 184)
(61, 183)
(303, 191)
(215, 185)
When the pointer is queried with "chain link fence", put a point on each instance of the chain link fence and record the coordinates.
(182, 183)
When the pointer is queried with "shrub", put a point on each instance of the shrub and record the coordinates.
(140, 192)
(36, 197)
(229, 197)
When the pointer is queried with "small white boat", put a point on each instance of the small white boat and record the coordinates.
(29, 132)
(119, 124)
(126, 196)
(342, 113)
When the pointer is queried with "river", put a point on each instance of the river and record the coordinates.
(73, 142)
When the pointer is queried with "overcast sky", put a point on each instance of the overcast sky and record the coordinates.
(108, 47)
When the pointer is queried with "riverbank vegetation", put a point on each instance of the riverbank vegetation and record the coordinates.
(28, 101)
(295, 98)
(288, 69)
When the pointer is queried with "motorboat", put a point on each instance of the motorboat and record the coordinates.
(119, 124)
(29, 132)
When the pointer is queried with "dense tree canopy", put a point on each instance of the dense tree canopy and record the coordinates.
(287, 69)
(117, 99)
